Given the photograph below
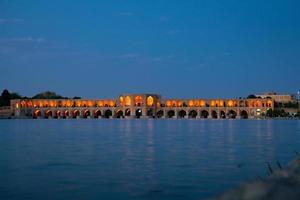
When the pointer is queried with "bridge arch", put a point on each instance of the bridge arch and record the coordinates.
(244, 114)
(97, 113)
(75, 113)
(204, 114)
(66, 114)
(107, 113)
(48, 114)
(57, 114)
(37, 114)
(138, 113)
(160, 114)
(193, 114)
(127, 112)
(232, 114)
(181, 113)
(119, 114)
(222, 114)
(86, 113)
(171, 113)
(150, 112)
(214, 114)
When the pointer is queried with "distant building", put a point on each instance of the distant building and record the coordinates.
(279, 98)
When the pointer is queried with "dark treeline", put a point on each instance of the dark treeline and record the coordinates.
(6, 96)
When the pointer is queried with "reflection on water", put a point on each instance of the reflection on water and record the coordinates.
(138, 159)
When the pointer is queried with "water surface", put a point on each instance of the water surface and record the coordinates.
(138, 159)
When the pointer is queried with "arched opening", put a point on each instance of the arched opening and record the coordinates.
(86, 114)
(138, 101)
(193, 114)
(232, 114)
(244, 114)
(127, 101)
(150, 113)
(171, 113)
(37, 114)
(48, 114)
(76, 114)
(57, 114)
(160, 114)
(181, 114)
(127, 112)
(150, 101)
(119, 114)
(204, 114)
(66, 114)
(138, 113)
(214, 114)
(97, 114)
(222, 114)
(108, 113)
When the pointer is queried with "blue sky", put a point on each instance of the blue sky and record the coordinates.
(201, 48)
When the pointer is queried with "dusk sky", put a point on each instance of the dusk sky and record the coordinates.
(201, 48)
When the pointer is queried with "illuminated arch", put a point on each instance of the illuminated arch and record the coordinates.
(127, 101)
(23, 104)
(212, 103)
(174, 103)
(17, 105)
(121, 100)
(150, 101)
(66, 114)
(230, 103)
(258, 103)
(100, 103)
(202, 103)
(138, 100)
(168, 103)
(269, 103)
(179, 103)
(191, 103)
(29, 104)
(111, 103)
(69, 103)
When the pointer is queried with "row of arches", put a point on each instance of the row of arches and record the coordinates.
(203, 114)
(139, 113)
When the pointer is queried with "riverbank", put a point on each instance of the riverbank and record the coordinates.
(283, 184)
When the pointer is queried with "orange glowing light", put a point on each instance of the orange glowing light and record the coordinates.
(191, 103)
(100, 103)
(168, 103)
(17, 105)
(138, 101)
(202, 103)
(127, 101)
(121, 101)
(269, 103)
(23, 104)
(111, 103)
(68, 103)
(174, 103)
(258, 103)
(29, 104)
(90, 103)
(230, 103)
(40, 104)
(78, 103)
(179, 103)
(212, 103)
(150, 101)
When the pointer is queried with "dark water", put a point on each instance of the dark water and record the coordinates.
(138, 159)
